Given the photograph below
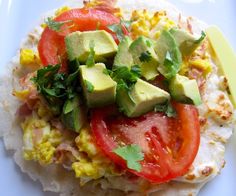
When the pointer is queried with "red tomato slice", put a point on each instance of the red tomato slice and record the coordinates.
(169, 144)
(51, 46)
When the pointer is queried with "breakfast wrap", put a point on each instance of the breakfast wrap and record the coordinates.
(117, 98)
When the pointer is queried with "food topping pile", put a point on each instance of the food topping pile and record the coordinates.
(107, 96)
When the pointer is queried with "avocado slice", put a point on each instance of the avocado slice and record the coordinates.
(142, 98)
(78, 45)
(186, 42)
(184, 90)
(98, 87)
(169, 55)
(142, 50)
(74, 114)
(123, 57)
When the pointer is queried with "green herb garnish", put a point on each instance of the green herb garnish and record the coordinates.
(145, 56)
(166, 108)
(132, 154)
(203, 35)
(118, 28)
(125, 78)
(171, 65)
(56, 87)
(90, 60)
(55, 25)
(89, 86)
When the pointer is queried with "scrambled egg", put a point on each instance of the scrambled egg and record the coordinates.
(93, 164)
(39, 140)
(150, 25)
(29, 58)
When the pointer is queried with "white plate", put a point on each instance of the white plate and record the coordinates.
(18, 17)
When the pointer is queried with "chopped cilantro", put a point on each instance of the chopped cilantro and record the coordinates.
(124, 77)
(55, 25)
(136, 69)
(166, 108)
(132, 154)
(68, 106)
(203, 35)
(56, 87)
(107, 71)
(171, 66)
(90, 60)
(117, 28)
(148, 43)
(126, 23)
(145, 56)
(89, 86)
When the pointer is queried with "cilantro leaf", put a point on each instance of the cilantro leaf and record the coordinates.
(171, 66)
(132, 154)
(124, 77)
(55, 25)
(169, 55)
(107, 71)
(126, 23)
(56, 87)
(203, 35)
(90, 60)
(89, 86)
(136, 69)
(145, 56)
(166, 108)
(117, 28)
(68, 106)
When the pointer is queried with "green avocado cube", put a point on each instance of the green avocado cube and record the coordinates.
(143, 53)
(74, 114)
(142, 98)
(123, 57)
(98, 87)
(184, 90)
(169, 55)
(78, 45)
(186, 42)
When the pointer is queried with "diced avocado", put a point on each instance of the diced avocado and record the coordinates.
(187, 43)
(169, 55)
(144, 55)
(74, 114)
(141, 99)
(184, 90)
(78, 45)
(123, 56)
(98, 87)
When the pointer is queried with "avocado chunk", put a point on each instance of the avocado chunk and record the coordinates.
(186, 42)
(78, 45)
(184, 90)
(142, 50)
(123, 57)
(169, 55)
(74, 114)
(98, 87)
(142, 98)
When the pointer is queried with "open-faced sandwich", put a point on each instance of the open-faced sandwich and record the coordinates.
(117, 98)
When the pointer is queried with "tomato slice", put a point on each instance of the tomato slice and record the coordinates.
(169, 144)
(51, 45)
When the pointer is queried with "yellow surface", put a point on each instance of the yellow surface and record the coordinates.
(225, 58)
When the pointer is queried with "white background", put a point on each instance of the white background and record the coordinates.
(17, 17)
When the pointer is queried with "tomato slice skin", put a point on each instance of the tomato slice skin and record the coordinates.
(169, 144)
(51, 45)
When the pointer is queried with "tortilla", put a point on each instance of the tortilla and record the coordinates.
(207, 165)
